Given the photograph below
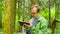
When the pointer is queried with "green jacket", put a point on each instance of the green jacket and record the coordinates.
(40, 27)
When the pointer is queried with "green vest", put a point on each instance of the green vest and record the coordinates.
(40, 27)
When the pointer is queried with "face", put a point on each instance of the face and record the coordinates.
(34, 12)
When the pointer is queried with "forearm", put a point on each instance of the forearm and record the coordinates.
(29, 26)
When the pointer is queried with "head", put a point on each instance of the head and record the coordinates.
(35, 10)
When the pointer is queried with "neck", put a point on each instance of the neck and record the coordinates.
(38, 15)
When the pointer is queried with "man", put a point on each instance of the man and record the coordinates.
(38, 24)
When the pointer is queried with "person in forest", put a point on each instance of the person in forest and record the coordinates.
(38, 24)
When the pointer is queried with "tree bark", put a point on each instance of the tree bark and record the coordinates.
(9, 16)
(1, 14)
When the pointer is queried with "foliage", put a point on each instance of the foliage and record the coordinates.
(25, 9)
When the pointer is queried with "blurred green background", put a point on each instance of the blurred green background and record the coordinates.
(50, 9)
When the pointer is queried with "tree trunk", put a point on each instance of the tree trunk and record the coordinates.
(9, 16)
(18, 9)
(1, 14)
(34, 2)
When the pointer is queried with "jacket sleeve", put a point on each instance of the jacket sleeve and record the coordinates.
(41, 27)
(44, 27)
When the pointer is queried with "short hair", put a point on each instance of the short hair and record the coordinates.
(38, 7)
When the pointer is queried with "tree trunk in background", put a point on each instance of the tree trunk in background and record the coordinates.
(19, 14)
(0, 19)
(1, 14)
(19, 9)
(57, 15)
(9, 16)
(34, 2)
